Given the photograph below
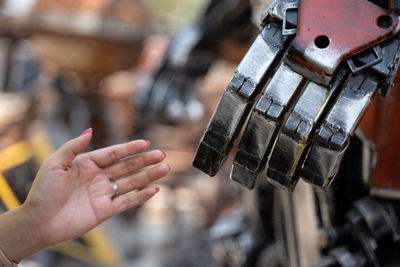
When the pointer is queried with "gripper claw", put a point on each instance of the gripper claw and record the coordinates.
(264, 124)
(291, 146)
(301, 99)
(238, 98)
(334, 134)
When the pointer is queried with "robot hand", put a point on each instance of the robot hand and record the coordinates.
(304, 94)
(170, 93)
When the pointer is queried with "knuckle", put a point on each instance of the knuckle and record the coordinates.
(152, 157)
(132, 183)
(144, 160)
(127, 165)
(130, 164)
(113, 155)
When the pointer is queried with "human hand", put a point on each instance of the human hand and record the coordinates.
(73, 192)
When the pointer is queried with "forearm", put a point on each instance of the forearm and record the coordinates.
(19, 234)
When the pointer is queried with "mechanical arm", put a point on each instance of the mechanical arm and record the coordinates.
(305, 84)
(294, 102)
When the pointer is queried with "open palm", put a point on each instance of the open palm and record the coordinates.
(74, 192)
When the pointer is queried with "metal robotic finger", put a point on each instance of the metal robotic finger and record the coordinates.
(310, 106)
(333, 137)
(292, 143)
(334, 134)
(170, 92)
(264, 124)
(238, 98)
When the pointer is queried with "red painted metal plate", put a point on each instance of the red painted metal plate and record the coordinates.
(332, 30)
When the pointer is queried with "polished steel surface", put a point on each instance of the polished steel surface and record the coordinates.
(257, 60)
(278, 8)
(332, 31)
(264, 124)
(309, 108)
(289, 151)
(238, 98)
(285, 29)
(334, 134)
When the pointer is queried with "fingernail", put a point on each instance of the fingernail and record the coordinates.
(165, 154)
(157, 189)
(147, 142)
(87, 131)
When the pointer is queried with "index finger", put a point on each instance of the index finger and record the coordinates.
(106, 156)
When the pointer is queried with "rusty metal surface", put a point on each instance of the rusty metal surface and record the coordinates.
(238, 99)
(301, 123)
(330, 31)
(382, 125)
(291, 147)
(333, 136)
(264, 124)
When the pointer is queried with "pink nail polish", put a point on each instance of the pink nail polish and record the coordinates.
(147, 142)
(87, 131)
(169, 167)
(157, 189)
(165, 154)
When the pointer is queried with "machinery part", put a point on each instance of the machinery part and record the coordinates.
(285, 29)
(370, 63)
(295, 225)
(334, 134)
(301, 124)
(292, 143)
(170, 90)
(170, 93)
(372, 225)
(386, 58)
(341, 257)
(234, 241)
(380, 218)
(238, 98)
(381, 125)
(320, 45)
(264, 124)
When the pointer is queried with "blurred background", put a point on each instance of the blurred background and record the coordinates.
(68, 65)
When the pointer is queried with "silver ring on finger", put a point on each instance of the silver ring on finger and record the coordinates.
(115, 187)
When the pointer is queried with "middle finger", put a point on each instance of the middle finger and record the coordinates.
(135, 163)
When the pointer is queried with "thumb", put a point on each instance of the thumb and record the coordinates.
(68, 152)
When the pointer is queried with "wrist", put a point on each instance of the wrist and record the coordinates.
(5, 262)
(19, 234)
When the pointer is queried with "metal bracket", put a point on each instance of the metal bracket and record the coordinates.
(286, 31)
(379, 58)
(321, 45)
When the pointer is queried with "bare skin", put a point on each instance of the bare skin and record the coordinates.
(73, 193)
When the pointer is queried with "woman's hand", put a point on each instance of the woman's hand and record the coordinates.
(73, 192)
